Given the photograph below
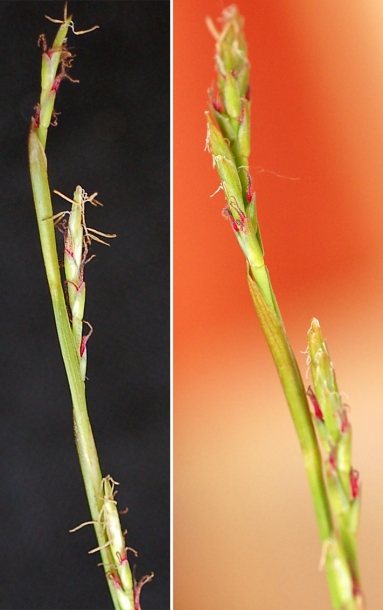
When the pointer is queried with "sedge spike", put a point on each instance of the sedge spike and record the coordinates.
(334, 432)
(77, 239)
(228, 140)
(69, 313)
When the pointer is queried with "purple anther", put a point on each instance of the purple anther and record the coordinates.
(242, 113)
(85, 338)
(216, 102)
(332, 459)
(249, 188)
(114, 577)
(343, 421)
(354, 483)
(226, 212)
(317, 409)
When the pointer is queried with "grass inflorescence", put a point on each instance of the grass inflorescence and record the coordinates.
(325, 435)
(68, 307)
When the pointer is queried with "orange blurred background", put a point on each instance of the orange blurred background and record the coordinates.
(244, 529)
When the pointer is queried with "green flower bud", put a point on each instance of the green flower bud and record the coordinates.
(225, 125)
(354, 515)
(49, 78)
(111, 519)
(230, 180)
(216, 142)
(244, 129)
(231, 99)
(324, 381)
(227, 58)
(342, 585)
(343, 456)
(243, 80)
(231, 45)
(339, 499)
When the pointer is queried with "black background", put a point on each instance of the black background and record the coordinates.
(112, 137)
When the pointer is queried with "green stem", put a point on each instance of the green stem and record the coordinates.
(261, 277)
(294, 391)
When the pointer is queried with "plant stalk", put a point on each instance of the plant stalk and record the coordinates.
(228, 139)
(99, 493)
